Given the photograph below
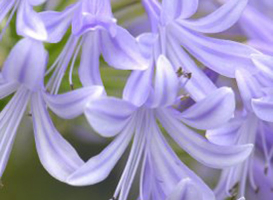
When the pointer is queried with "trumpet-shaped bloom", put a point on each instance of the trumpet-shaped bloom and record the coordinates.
(164, 176)
(94, 32)
(23, 74)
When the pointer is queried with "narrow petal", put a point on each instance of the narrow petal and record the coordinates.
(222, 56)
(186, 190)
(29, 24)
(248, 86)
(226, 134)
(263, 108)
(264, 63)
(173, 9)
(57, 156)
(57, 23)
(166, 84)
(258, 29)
(108, 116)
(153, 10)
(168, 170)
(146, 42)
(27, 57)
(142, 121)
(139, 84)
(99, 167)
(146, 179)
(7, 88)
(122, 51)
(198, 147)
(72, 104)
(10, 119)
(264, 47)
(89, 72)
(220, 20)
(212, 111)
(138, 87)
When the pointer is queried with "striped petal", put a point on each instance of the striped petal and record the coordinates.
(166, 84)
(57, 156)
(99, 167)
(72, 104)
(222, 56)
(212, 111)
(220, 20)
(263, 108)
(10, 118)
(108, 116)
(209, 154)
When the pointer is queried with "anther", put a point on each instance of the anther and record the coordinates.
(266, 170)
(184, 97)
(234, 190)
(72, 86)
(180, 72)
(29, 114)
(257, 190)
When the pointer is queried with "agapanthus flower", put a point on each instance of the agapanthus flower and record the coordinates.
(164, 176)
(94, 32)
(28, 22)
(252, 125)
(172, 21)
(23, 74)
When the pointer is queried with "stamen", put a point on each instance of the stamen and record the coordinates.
(266, 168)
(270, 155)
(29, 114)
(1, 184)
(60, 57)
(132, 163)
(163, 42)
(265, 150)
(71, 86)
(257, 190)
(234, 190)
(56, 79)
(73, 64)
(251, 177)
(180, 72)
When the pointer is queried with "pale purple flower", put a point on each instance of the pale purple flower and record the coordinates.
(94, 32)
(172, 21)
(251, 126)
(23, 74)
(164, 176)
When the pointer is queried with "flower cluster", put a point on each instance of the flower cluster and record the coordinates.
(211, 96)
